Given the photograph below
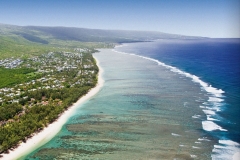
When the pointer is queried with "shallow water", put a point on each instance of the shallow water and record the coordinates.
(143, 111)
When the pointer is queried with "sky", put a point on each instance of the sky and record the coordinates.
(206, 18)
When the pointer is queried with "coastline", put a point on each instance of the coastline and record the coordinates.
(42, 137)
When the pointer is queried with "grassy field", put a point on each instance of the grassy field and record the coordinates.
(16, 46)
(10, 77)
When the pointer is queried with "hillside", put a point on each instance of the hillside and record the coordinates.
(44, 35)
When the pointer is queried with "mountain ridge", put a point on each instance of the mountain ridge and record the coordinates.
(42, 34)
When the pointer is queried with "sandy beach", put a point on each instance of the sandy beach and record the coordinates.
(52, 129)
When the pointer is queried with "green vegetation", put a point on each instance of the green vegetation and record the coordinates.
(10, 77)
(38, 89)
(32, 38)
(36, 117)
(40, 78)
(9, 111)
(17, 46)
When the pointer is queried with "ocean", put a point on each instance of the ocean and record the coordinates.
(166, 99)
(215, 65)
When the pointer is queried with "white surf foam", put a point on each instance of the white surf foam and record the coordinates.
(203, 139)
(229, 142)
(236, 156)
(195, 147)
(209, 112)
(177, 135)
(202, 106)
(181, 145)
(215, 108)
(196, 116)
(193, 156)
(209, 118)
(211, 126)
(217, 92)
(226, 150)
(215, 99)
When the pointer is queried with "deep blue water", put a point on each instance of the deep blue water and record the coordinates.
(216, 62)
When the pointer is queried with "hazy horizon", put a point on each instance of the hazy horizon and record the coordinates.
(214, 19)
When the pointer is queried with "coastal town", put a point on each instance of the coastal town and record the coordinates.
(51, 69)
(52, 81)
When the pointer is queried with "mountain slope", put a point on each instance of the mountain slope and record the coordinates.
(45, 34)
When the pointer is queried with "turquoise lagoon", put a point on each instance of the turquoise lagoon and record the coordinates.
(143, 111)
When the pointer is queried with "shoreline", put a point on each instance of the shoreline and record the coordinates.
(40, 138)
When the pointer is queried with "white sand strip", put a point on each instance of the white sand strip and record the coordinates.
(51, 130)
